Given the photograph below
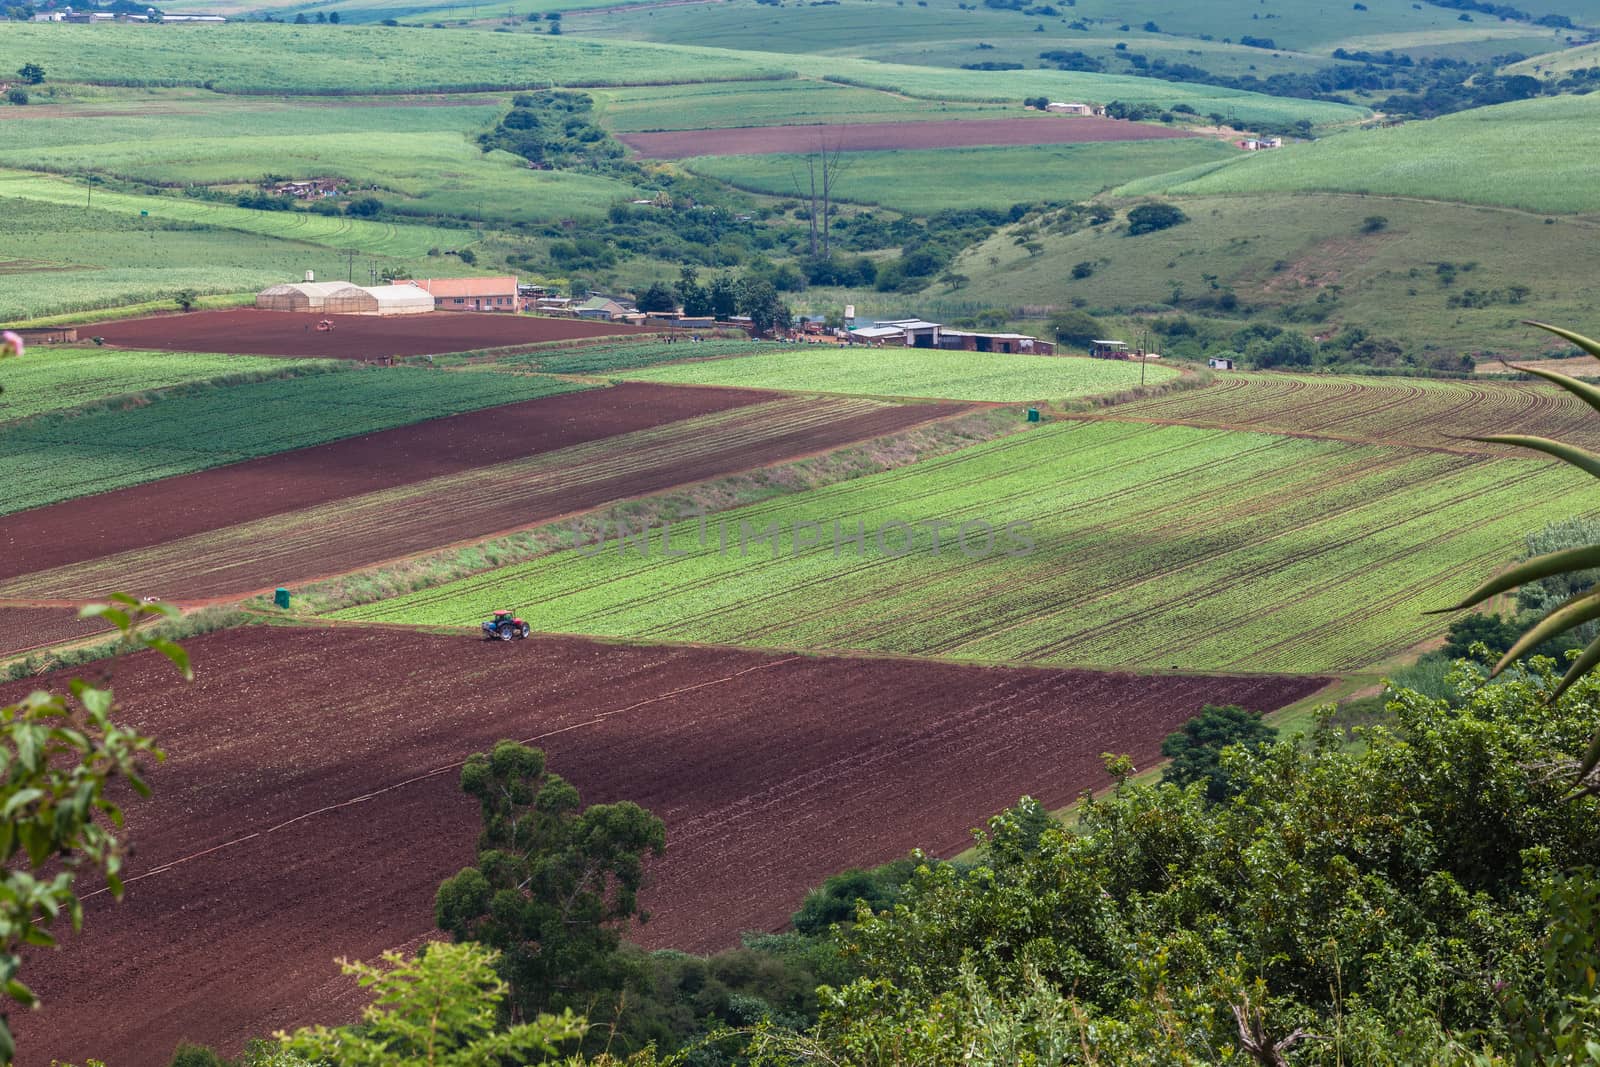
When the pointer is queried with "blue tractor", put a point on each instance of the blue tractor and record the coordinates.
(504, 627)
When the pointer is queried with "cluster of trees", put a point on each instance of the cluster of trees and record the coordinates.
(1265, 345)
(557, 129)
(321, 17)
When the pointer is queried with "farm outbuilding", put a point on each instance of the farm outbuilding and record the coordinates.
(333, 298)
(401, 299)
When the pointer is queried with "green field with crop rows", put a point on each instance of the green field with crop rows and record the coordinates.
(603, 359)
(793, 102)
(913, 372)
(57, 457)
(53, 378)
(1425, 159)
(1151, 547)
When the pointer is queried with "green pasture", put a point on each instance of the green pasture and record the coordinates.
(417, 155)
(607, 358)
(58, 258)
(796, 101)
(256, 57)
(923, 181)
(399, 240)
(51, 378)
(1309, 256)
(1144, 546)
(912, 372)
(1537, 155)
(1559, 63)
(58, 457)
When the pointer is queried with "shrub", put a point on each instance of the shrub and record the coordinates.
(1148, 218)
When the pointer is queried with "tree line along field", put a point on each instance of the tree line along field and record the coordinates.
(57, 457)
(749, 758)
(903, 372)
(1423, 160)
(1440, 414)
(229, 553)
(1312, 256)
(1165, 546)
(918, 181)
(72, 377)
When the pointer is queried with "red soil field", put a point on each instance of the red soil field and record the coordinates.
(309, 805)
(358, 531)
(250, 331)
(156, 512)
(884, 136)
(24, 628)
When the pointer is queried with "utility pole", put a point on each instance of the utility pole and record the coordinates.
(350, 265)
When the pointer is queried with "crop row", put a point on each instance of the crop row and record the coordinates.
(629, 355)
(71, 377)
(1150, 547)
(913, 372)
(58, 457)
(1429, 413)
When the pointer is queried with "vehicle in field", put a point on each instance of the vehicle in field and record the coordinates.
(505, 626)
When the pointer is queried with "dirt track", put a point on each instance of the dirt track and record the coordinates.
(162, 511)
(885, 136)
(288, 828)
(283, 333)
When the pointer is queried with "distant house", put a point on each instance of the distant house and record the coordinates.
(1109, 349)
(553, 305)
(603, 309)
(310, 189)
(471, 294)
(977, 341)
(1258, 144)
(1219, 363)
(176, 17)
(1072, 108)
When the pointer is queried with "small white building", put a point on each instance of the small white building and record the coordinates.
(1219, 363)
(1069, 108)
(404, 299)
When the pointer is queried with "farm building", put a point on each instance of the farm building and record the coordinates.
(1219, 363)
(1109, 349)
(972, 341)
(311, 189)
(400, 299)
(1070, 108)
(471, 294)
(333, 298)
(602, 309)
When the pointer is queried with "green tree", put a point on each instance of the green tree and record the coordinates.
(31, 73)
(185, 299)
(63, 756)
(724, 296)
(1075, 328)
(1492, 631)
(694, 297)
(759, 299)
(658, 297)
(365, 207)
(1196, 749)
(552, 881)
(1148, 218)
(333, 17)
(440, 1009)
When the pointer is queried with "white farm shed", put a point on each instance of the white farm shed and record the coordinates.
(401, 299)
(333, 298)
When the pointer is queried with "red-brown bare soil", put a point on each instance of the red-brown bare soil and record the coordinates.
(161, 511)
(884, 136)
(355, 531)
(25, 628)
(251, 331)
(309, 805)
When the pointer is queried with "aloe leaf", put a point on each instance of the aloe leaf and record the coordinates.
(1581, 458)
(1582, 390)
(1558, 621)
(1587, 344)
(1568, 559)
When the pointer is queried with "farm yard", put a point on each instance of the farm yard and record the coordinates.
(1188, 548)
(285, 333)
(912, 372)
(891, 136)
(746, 755)
(234, 554)
(64, 455)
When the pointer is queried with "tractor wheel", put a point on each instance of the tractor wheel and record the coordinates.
(526, 630)
(506, 633)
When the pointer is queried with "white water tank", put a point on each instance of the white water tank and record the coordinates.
(311, 275)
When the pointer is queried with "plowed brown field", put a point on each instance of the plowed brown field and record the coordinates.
(360, 530)
(886, 136)
(309, 805)
(27, 628)
(163, 511)
(285, 333)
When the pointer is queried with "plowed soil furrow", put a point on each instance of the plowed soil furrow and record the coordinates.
(23, 629)
(285, 333)
(159, 512)
(287, 829)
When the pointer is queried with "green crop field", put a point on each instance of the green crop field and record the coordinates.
(1537, 155)
(52, 378)
(332, 231)
(606, 358)
(1310, 256)
(793, 102)
(418, 156)
(919, 181)
(59, 258)
(912, 372)
(1411, 411)
(58, 457)
(1151, 546)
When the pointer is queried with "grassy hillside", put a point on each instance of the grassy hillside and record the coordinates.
(418, 155)
(1309, 255)
(1538, 155)
(1562, 62)
(921, 181)
(717, 105)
